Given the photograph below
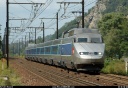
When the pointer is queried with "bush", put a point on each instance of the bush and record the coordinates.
(114, 66)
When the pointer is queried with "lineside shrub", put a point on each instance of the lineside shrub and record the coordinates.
(114, 66)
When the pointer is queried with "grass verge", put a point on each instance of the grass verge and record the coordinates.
(14, 79)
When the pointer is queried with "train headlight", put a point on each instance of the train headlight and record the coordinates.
(97, 53)
(83, 53)
(90, 53)
(100, 53)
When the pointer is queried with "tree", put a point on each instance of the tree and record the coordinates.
(114, 29)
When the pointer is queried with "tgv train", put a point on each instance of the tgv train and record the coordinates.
(79, 48)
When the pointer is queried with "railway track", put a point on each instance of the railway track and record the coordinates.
(54, 76)
(102, 79)
(30, 75)
(64, 77)
(115, 79)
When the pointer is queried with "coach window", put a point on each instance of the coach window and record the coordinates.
(38, 50)
(47, 50)
(29, 51)
(32, 52)
(35, 51)
(54, 49)
(82, 39)
(42, 50)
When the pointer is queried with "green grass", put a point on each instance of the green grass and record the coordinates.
(14, 79)
(17, 56)
(114, 66)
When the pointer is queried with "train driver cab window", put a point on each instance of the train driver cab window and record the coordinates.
(95, 40)
(82, 39)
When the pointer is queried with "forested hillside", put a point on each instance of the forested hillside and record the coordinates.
(117, 6)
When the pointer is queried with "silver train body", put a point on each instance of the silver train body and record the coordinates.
(80, 49)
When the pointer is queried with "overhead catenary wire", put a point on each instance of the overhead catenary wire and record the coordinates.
(31, 11)
(60, 18)
(33, 19)
(22, 6)
(79, 9)
(30, 15)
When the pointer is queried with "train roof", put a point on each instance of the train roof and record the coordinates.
(84, 30)
(71, 32)
(76, 31)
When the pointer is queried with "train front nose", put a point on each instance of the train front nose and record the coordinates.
(91, 57)
(91, 61)
(90, 52)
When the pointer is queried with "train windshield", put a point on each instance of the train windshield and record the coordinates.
(82, 39)
(95, 40)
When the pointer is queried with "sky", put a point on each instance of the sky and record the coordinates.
(33, 13)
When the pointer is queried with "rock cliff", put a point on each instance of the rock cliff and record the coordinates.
(95, 14)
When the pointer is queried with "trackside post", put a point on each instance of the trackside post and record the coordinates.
(2, 59)
(126, 64)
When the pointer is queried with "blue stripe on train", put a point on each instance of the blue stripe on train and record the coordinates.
(65, 49)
